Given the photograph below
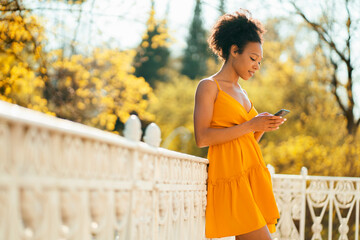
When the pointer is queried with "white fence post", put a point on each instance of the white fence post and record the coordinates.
(152, 135)
(132, 129)
(304, 173)
(153, 138)
(133, 132)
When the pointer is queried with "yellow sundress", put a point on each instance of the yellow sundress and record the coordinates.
(240, 198)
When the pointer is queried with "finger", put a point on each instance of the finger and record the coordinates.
(276, 122)
(273, 125)
(270, 129)
(276, 117)
(279, 121)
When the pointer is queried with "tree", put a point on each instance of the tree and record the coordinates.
(22, 70)
(173, 111)
(337, 34)
(222, 7)
(196, 54)
(221, 12)
(153, 53)
(98, 90)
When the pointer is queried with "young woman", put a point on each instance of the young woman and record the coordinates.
(240, 200)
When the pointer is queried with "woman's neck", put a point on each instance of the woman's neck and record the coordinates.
(227, 73)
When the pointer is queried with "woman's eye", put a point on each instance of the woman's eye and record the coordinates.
(252, 59)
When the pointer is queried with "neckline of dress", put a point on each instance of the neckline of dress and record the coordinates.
(251, 107)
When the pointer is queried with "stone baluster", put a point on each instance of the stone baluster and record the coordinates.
(132, 129)
(153, 135)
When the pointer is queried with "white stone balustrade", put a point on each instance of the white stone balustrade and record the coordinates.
(332, 204)
(64, 180)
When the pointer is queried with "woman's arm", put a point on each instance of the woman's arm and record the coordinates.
(205, 135)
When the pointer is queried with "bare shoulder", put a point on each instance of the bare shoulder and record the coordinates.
(207, 86)
(206, 90)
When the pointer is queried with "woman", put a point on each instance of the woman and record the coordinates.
(240, 200)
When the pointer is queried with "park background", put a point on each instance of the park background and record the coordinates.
(96, 62)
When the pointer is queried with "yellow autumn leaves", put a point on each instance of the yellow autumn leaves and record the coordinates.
(162, 39)
(20, 85)
(98, 89)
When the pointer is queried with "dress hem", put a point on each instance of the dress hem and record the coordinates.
(233, 235)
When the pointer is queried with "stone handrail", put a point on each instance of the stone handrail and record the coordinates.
(64, 180)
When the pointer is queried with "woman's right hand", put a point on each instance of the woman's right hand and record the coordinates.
(266, 122)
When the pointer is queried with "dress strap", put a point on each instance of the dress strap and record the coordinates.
(217, 85)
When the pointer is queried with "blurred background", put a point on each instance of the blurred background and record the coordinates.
(98, 61)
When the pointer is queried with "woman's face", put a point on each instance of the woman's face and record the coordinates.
(248, 62)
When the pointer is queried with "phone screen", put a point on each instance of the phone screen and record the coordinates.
(282, 112)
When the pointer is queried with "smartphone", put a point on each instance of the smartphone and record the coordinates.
(282, 112)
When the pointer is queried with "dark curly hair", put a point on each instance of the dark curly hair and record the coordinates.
(235, 29)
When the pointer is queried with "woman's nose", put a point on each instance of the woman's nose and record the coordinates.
(256, 66)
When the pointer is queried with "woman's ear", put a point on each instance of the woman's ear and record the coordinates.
(234, 50)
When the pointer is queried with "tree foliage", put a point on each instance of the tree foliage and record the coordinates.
(153, 53)
(97, 90)
(22, 72)
(342, 54)
(222, 7)
(196, 52)
(173, 111)
(100, 90)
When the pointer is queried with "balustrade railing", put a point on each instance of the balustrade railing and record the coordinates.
(317, 207)
(64, 180)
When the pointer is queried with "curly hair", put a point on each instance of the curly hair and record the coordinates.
(235, 29)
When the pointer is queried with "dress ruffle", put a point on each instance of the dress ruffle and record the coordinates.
(248, 198)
